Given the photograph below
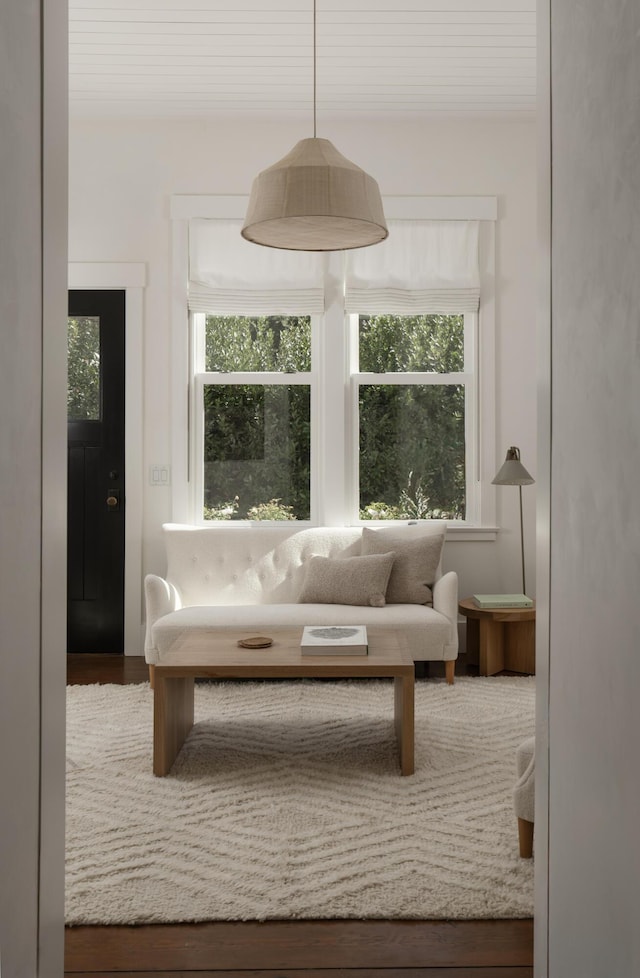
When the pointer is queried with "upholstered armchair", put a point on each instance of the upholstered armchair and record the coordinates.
(523, 796)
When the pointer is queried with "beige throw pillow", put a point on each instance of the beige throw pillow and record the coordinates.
(347, 580)
(418, 551)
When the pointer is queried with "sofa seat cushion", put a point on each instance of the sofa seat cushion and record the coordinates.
(423, 642)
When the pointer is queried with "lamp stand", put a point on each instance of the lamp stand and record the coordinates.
(522, 541)
(513, 473)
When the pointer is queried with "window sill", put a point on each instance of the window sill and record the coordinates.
(455, 533)
(463, 534)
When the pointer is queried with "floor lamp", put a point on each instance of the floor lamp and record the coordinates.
(513, 473)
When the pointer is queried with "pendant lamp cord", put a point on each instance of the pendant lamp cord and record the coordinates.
(314, 69)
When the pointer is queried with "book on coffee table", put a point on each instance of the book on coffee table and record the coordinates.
(334, 640)
(502, 601)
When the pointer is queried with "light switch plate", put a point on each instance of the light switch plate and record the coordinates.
(159, 475)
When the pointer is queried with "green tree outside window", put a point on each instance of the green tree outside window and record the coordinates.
(411, 438)
(83, 368)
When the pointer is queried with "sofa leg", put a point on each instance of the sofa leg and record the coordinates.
(152, 675)
(525, 838)
(450, 670)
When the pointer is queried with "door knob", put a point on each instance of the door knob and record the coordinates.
(112, 501)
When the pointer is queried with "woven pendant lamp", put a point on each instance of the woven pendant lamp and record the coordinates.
(314, 198)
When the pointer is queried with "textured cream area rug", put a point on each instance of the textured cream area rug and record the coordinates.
(286, 802)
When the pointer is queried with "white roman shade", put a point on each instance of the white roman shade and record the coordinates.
(422, 267)
(230, 276)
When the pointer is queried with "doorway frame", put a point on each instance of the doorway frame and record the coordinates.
(130, 278)
(541, 913)
(46, 923)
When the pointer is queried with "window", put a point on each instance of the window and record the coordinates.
(413, 389)
(253, 410)
(410, 419)
(340, 387)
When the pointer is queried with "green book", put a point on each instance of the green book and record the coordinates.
(502, 601)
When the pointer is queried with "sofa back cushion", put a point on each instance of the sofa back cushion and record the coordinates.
(248, 563)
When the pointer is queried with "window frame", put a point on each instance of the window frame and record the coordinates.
(202, 378)
(334, 499)
(467, 379)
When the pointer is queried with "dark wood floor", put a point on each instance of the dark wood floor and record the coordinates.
(290, 949)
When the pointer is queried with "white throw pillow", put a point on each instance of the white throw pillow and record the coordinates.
(347, 580)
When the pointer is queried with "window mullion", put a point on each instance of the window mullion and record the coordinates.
(198, 342)
(413, 377)
(317, 324)
(260, 378)
(352, 483)
(333, 398)
(197, 445)
(472, 418)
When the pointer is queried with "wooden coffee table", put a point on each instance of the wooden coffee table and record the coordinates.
(213, 654)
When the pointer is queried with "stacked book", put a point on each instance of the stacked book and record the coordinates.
(334, 640)
(502, 601)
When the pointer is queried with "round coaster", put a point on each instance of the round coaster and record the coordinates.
(259, 642)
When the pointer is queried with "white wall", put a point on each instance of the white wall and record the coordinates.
(594, 658)
(121, 178)
(33, 306)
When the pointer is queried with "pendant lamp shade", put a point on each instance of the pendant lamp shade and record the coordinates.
(315, 199)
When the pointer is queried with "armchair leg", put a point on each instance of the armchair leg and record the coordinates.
(525, 838)
(152, 675)
(450, 670)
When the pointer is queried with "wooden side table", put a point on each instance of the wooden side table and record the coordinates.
(500, 638)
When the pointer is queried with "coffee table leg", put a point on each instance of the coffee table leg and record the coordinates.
(172, 719)
(403, 717)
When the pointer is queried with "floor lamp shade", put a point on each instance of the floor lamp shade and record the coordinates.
(315, 199)
(513, 473)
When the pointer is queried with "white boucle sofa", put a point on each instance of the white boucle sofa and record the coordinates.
(250, 576)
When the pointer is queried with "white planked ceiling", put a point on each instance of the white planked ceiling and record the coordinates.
(200, 58)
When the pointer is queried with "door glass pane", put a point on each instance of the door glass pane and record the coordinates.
(83, 365)
(412, 451)
(238, 343)
(257, 452)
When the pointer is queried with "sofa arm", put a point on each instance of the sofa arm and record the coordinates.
(445, 601)
(160, 599)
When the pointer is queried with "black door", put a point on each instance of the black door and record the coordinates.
(95, 536)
